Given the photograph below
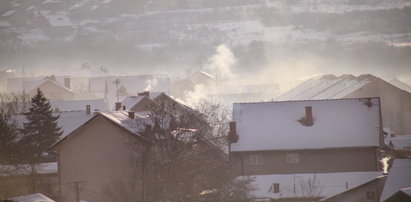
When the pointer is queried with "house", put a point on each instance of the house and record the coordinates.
(368, 191)
(114, 89)
(21, 180)
(52, 90)
(395, 102)
(317, 136)
(96, 153)
(398, 178)
(287, 145)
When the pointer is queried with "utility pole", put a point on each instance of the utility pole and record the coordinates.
(77, 186)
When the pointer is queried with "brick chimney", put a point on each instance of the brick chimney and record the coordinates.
(88, 109)
(118, 106)
(309, 116)
(232, 135)
(145, 93)
(131, 115)
(67, 82)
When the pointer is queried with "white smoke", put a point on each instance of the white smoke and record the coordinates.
(150, 84)
(384, 162)
(221, 63)
(199, 93)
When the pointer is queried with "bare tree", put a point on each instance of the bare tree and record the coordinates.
(178, 163)
(310, 188)
(14, 103)
(217, 117)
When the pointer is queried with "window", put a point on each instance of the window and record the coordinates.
(256, 159)
(292, 158)
(275, 188)
(370, 195)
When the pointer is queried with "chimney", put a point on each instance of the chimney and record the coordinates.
(124, 108)
(88, 109)
(67, 82)
(131, 115)
(145, 93)
(309, 116)
(232, 135)
(118, 106)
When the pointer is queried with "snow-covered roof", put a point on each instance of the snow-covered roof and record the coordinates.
(326, 87)
(57, 19)
(122, 119)
(337, 123)
(323, 184)
(38, 197)
(353, 189)
(399, 142)
(79, 105)
(8, 13)
(68, 121)
(42, 168)
(130, 101)
(44, 82)
(399, 84)
(399, 177)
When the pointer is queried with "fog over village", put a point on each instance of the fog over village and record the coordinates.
(195, 100)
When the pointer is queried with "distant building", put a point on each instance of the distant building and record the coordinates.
(52, 91)
(395, 102)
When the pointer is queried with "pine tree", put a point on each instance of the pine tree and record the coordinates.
(40, 131)
(8, 139)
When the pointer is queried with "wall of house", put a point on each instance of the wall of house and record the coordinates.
(97, 157)
(309, 161)
(360, 193)
(395, 104)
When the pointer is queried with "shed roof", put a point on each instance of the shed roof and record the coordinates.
(337, 124)
(326, 184)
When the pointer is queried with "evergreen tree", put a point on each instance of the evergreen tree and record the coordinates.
(40, 131)
(8, 139)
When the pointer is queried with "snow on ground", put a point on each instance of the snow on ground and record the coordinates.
(324, 184)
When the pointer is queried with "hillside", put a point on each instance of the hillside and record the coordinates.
(182, 32)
